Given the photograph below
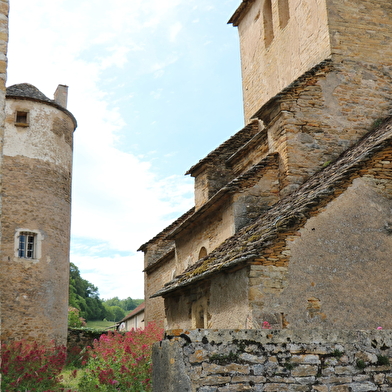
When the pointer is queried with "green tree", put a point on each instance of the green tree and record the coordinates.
(126, 304)
(74, 319)
(118, 313)
(84, 296)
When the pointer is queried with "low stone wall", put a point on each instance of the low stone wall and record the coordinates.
(273, 361)
(79, 338)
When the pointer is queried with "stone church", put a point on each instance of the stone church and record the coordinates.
(36, 171)
(292, 223)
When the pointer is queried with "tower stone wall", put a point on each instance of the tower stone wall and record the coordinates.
(273, 52)
(37, 169)
(4, 9)
(321, 79)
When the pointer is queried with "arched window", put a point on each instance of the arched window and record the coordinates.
(202, 253)
(268, 25)
(284, 13)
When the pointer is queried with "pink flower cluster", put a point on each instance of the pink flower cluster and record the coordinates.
(266, 325)
(122, 361)
(30, 366)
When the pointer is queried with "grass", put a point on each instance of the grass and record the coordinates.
(100, 324)
(69, 381)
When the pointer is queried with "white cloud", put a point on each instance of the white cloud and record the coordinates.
(114, 276)
(118, 201)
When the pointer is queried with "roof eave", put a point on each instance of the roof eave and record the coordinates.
(49, 102)
(240, 12)
(218, 268)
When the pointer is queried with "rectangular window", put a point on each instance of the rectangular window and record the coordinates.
(26, 247)
(22, 118)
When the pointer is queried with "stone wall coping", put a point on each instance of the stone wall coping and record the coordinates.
(269, 336)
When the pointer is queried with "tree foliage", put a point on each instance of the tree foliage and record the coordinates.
(126, 304)
(84, 296)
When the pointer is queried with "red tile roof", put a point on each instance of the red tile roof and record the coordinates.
(135, 311)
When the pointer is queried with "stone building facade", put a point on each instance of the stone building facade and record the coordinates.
(292, 215)
(36, 213)
(36, 136)
(4, 9)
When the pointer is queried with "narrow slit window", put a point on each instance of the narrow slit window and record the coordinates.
(268, 24)
(284, 13)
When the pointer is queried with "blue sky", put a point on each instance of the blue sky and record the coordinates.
(154, 85)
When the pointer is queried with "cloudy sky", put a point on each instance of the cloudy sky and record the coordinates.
(154, 86)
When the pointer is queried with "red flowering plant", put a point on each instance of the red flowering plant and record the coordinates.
(27, 366)
(121, 362)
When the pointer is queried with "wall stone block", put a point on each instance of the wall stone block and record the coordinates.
(264, 360)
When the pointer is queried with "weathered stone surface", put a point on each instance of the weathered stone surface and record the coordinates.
(232, 368)
(169, 374)
(36, 198)
(283, 370)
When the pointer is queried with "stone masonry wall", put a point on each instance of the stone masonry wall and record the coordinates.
(154, 280)
(34, 293)
(273, 361)
(4, 9)
(334, 103)
(356, 245)
(208, 231)
(302, 43)
(36, 196)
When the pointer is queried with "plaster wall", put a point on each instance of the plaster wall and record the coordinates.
(36, 198)
(155, 279)
(183, 310)
(135, 322)
(209, 232)
(229, 300)
(339, 269)
(48, 138)
(222, 302)
(202, 188)
(295, 48)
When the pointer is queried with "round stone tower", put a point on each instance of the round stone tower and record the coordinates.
(35, 222)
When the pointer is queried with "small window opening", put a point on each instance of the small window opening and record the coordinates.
(200, 318)
(26, 248)
(268, 24)
(202, 253)
(284, 13)
(198, 311)
(22, 118)
(198, 315)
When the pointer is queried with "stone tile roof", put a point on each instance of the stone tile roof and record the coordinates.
(167, 230)
(246, 180)
(229, 147)
(240, 11)
(28, 91)
(166, 253)
(289, 213)
(223, 152)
